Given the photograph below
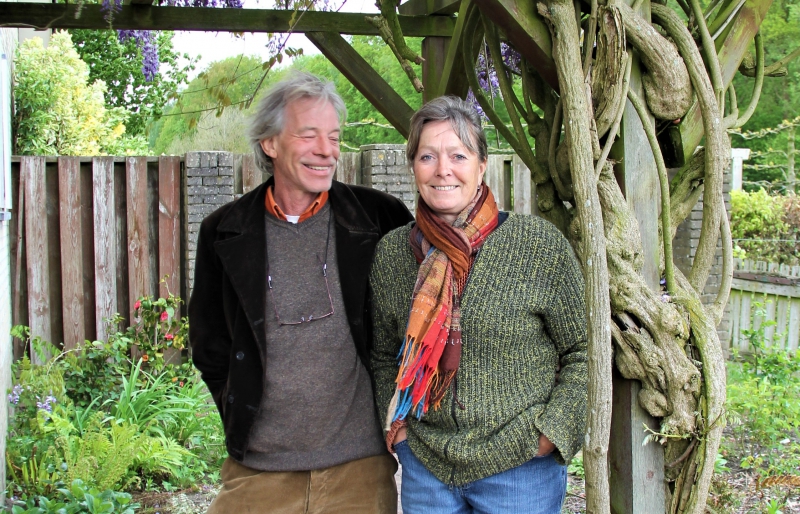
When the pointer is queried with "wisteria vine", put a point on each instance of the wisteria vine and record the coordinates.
(146, 39)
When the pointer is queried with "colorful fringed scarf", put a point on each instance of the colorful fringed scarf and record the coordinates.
(431, 351)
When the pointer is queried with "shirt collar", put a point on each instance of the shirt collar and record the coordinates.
(273, 208)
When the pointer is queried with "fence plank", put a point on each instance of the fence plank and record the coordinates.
(36, 248)
(744, 320)
(138, 237)
(523, 187)
(348, 169)
(781, 317)
(70, 212)
(496, 179)
(794, 325)
(251, 174)
(769, 314)
(169, 227)
(736, 307)
(105, 251)
(765, 288)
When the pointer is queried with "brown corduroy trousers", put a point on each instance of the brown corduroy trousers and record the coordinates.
(364, 486)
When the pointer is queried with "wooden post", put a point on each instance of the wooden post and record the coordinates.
(36, 250)
(138, 247)
(169, 225)
(105, 243)
(637, 472)
(69, 192)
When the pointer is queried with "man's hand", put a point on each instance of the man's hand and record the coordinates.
(545, 446)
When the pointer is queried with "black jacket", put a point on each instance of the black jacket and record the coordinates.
(227, 306)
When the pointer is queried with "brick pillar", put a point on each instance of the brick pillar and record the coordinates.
(384, 167)
(209, 185)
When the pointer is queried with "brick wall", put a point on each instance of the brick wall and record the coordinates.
(384, 167)
(684, 248)
(209, 183)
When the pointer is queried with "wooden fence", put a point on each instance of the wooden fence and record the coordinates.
(765, 291)
(90, 235)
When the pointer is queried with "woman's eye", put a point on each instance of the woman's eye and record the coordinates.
(425, 158)
(459, 157)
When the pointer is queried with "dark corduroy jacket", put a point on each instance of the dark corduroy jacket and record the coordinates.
(227, 306)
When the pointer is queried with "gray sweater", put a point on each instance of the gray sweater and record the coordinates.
(522, 314)
(317, 409)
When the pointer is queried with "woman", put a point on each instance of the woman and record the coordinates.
(483, 313)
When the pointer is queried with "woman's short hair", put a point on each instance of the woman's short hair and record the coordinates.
(268, 120)
(463, 117)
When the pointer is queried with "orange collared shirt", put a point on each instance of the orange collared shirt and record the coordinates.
(275, 210)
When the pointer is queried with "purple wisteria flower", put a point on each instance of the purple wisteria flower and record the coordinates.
(13, 396)
(47, 404)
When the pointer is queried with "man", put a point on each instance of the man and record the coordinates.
(280, 323)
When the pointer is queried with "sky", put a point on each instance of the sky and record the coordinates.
(211, 46)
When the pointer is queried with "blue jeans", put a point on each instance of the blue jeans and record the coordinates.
(536, 487)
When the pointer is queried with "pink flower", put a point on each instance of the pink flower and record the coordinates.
(137, 304)
(181, 383)
(169, 337)
(164, 316)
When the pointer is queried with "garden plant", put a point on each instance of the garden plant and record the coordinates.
(92, 425)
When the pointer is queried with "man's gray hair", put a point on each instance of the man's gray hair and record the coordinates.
(268, 120)
(463, 117)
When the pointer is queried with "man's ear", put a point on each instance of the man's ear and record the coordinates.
(268, 145)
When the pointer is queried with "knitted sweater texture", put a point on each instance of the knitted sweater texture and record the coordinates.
(522, 314)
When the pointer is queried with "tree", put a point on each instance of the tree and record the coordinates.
(57, 111)
(120, 63)
(772, 149)
(235, 78)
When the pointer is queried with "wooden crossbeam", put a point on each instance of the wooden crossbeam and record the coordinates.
(358, 71)
(149, 17)
(681, 140)
(423, 7)
(526, 31)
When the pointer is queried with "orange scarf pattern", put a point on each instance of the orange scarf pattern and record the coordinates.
(431, 350)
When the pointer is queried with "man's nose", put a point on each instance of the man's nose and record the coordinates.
(324, 146)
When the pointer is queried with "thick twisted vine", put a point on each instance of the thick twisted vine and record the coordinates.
(717, 152)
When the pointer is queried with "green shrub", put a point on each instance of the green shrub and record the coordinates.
(761, 228)
(90, 414)
(77, 499)
(763, 410)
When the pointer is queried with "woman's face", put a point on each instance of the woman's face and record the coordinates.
(446, 172)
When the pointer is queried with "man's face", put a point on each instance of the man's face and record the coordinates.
(305, 152)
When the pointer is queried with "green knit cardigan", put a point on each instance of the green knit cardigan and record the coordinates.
(522, 314)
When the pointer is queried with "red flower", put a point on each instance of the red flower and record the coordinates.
(145, 357)
(181, 383)
(164, 316)
(137, 304)
(169, 337)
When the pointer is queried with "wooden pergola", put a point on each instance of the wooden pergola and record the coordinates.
(637, 471)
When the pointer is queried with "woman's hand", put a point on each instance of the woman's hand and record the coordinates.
(401, 436)
(545, 446)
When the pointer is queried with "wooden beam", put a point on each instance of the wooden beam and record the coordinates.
(434, 51)
(425, 7)
(148, 17)
(453, 80)
(358, 71)
(680, 141)
(526, 31)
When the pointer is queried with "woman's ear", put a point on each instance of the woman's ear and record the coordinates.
(482, 170)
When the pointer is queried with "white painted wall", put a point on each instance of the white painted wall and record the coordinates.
(8, 42)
